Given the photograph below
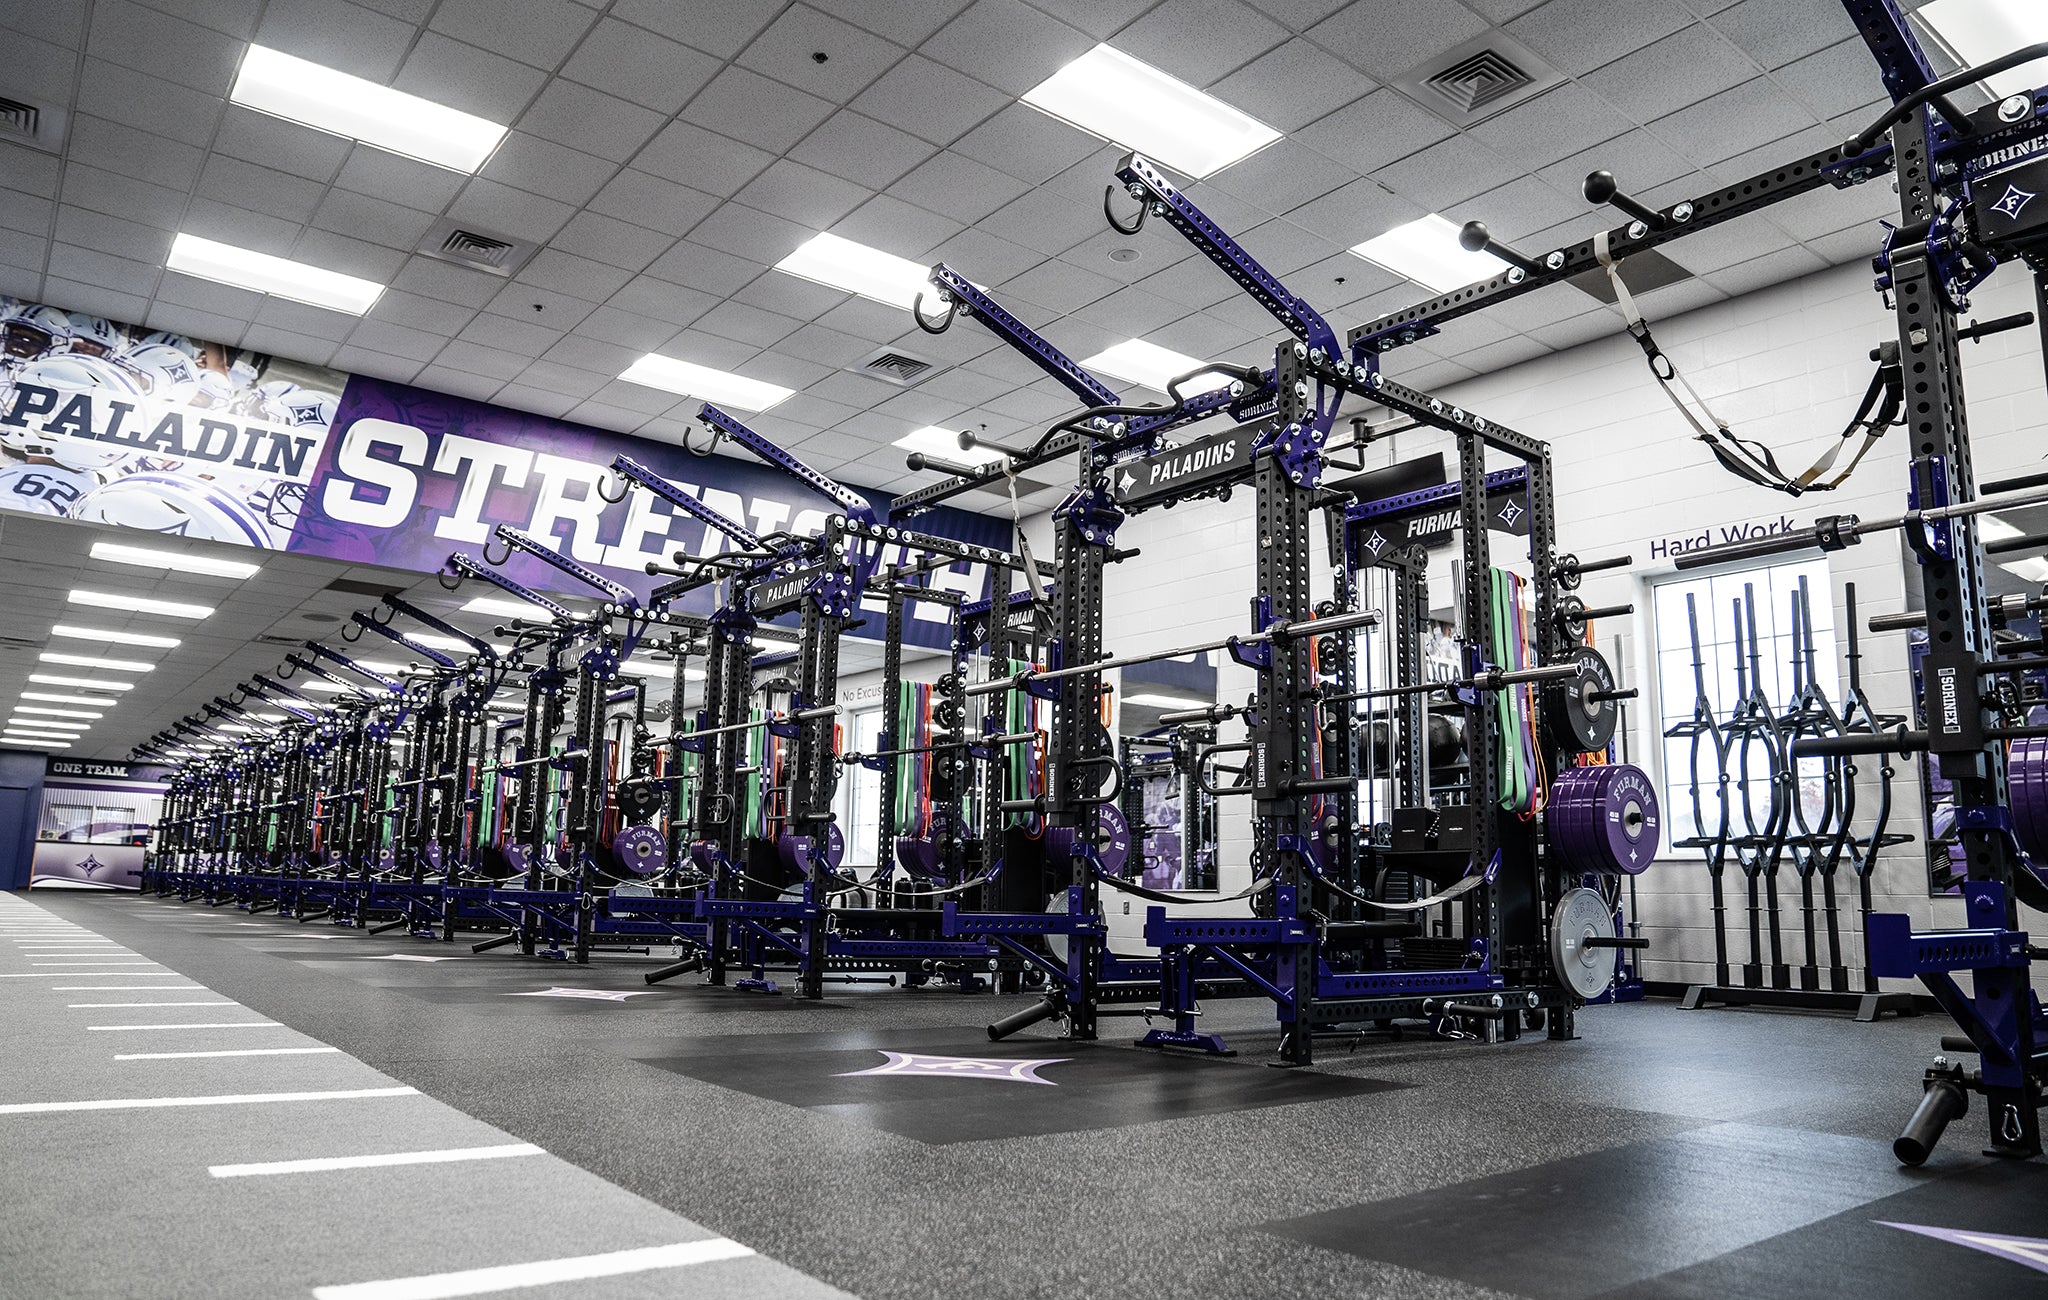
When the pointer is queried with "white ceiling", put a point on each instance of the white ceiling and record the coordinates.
(666, 152)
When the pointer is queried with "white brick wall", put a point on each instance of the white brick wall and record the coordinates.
(1784, 365)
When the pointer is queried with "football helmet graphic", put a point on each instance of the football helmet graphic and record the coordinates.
(44, 489)
(31, 330)
(169, 374)
(176, 504)
(96, 336)
(167, 339)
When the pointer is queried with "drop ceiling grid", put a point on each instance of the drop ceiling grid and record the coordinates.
(664, 162)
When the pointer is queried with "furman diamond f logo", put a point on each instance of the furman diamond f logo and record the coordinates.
(2010, 202)
(958, 1067)
(1509, 512)
(91, 864)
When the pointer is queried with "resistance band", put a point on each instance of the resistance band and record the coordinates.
(1742, 456)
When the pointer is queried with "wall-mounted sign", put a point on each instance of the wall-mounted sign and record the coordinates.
(160, 432)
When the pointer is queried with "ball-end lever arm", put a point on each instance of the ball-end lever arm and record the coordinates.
(1476, 238)
(1600, 188)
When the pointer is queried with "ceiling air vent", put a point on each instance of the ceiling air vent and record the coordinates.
(480, 250)
(1472, 83)
(1478, 79)
(896, 367)
(358, 587)
(34, 125)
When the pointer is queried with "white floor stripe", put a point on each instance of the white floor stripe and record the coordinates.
(509, 1277)
(80, 1006)
(95, 961)
(232, 1099)
(233, 1024)
(61, 974)
(125, 988)
(247, 1051)
(369, 1162)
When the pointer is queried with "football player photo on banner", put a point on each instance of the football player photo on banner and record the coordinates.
(147, 429)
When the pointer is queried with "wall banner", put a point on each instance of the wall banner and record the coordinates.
(160, 432)
(91, 833)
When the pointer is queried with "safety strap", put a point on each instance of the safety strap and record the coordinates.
(1444, 895)
(1032, 581)
(1122, 886)
(1744, 457)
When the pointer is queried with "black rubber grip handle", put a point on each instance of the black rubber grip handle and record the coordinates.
(1881, 742)
(1604, 941)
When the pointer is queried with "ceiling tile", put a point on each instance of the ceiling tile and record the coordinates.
(746, 233)
(1008, 44)
(1027, 144)
(894, 226)
(722, 29)
(701, 159)
(377, 365)
(958, 186)
(636, 64)
(787, 51)
(802, 194)
(161, 45)
(31, 212)
(447, 282)
(347, 212)
(1579, 35)
(711, 350)
(1682, 68)
(826, 346)
(549, 308)
(393, 339)
(123, 149)
(984, 258)
(1733, 122)
(1553, 125)
(1201, 40)
(1521, 207)
(1099, 18)
(91, 299)
(518, 337)
(704, 268)
(578, 277)
(220, 302)
(738, 321)
(648, 200)
(415, 311)
(456, 380)
(315, 322)
(289, 343)
(590, 121)
(538, 32)
(1128, 312)
(110, 235)
(748, 106)
(1280, 176)
(338, 34)
(400, 180)
(62, 21)
(1292, 85)
(777, 367)
(538, 401)
(462, 76)
(1355, 213)
(349, 256)
(1639, 161)
(228, 224)
(508, 211)
(1388, 40)
(610, 324)
(286, 146)
(789, 295)
(873, 321)
(149, 103)
(1381, 128)
(231, 180)
(1043, 222)
(613, 242)
(929, 100)
(1447, 173)
(1836, 80)
(1059, 287)
(655, 299)
(1780, 31)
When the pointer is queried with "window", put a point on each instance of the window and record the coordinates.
(1769, 593)
(859, 803)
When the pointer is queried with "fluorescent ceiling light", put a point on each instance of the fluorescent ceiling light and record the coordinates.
(716, 386)
(32, 729)
(90, 683)
(945, 445)
(90, 661)
(2033, 568)
(1156, 701)
(47, 724)
(245, 268)
(503, 608)
(148, 558)
(641, 668)
(51, 698)
(140, 604)
(326, 100)
(1977, 31)
(21, 709)
(30, 742)
(128, 638)
(239, 727)
(841, 263)
(321, 686)
(1153, 366)
(1427, 251)
(1108, 93)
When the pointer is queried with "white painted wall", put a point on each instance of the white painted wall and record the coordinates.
(1785, 365)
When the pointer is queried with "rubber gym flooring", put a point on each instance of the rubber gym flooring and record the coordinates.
(694, 1141)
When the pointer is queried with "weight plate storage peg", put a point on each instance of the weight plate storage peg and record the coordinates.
(1582, 721)
(1581, 915)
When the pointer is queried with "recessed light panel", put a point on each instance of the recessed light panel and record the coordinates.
(719, 387)
(1427, 251)
(1108, 93)
(312, 94)
(245, 268)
